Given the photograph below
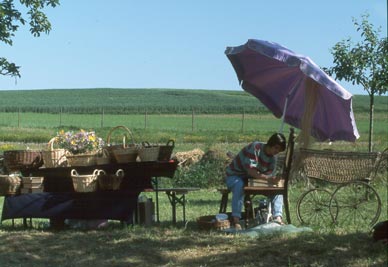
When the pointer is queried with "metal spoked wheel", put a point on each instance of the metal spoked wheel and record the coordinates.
(357, 203)
(313, 208)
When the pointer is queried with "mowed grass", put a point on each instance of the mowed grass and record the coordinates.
(165, 244)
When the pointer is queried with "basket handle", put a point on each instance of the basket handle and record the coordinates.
(74, 173)
(120, 173)
(145, 144)
(118, 127)
(103, 153)
(170, 141)
(96, 172)
(99, 172)
(50, 144)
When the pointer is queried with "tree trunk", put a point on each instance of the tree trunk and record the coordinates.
(371, 108)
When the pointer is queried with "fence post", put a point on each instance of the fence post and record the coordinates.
(102, 118)
(19, 118)
(60, 116)
(145, 119)
(242, 121)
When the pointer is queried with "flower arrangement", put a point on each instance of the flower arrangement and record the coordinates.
(79, 142)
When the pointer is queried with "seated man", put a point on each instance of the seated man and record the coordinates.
(256, 160)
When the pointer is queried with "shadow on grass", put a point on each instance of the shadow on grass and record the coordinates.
(164, 245)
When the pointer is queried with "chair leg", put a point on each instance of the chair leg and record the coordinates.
(248, 210)
(224, 201)
(287, 208)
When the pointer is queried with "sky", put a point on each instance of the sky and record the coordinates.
(175, 43)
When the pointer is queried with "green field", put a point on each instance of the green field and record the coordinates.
(157, 115)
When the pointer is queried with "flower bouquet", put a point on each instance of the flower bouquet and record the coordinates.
(82, 147)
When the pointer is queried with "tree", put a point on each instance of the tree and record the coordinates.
(11, 19)
(365, 63)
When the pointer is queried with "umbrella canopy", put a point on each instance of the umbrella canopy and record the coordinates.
(292, 86)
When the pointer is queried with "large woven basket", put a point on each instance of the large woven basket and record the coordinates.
(110, 181)
(122, 153)
(84, 183)
(339, 166)
(53, 158)
(209, 222)
(17, 160)
(165, 151)
(81, 159)
(9, 185)
(148, 152)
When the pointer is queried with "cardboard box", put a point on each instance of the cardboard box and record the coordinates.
(261, 183)
(146, 212)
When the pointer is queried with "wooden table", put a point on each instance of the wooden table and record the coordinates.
(60, 201)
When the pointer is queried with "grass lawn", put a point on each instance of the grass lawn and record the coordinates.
(184, 245)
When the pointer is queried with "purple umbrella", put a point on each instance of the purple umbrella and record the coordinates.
(293, 87)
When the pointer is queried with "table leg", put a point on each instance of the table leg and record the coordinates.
(156, 185)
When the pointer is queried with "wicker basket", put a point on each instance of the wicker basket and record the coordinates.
(148, 152)
(81, 159)
(53, 158)
(122, 153)
(16, 160)
(103, 157)
(9, 185)
(110, 181)
(165, 151)
(209, 222)
(84, 183)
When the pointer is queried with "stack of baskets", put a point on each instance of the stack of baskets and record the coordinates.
(84, 183)
(122, 153)
(9, 185)
(53, 158)
(17, 160)
(149, 152)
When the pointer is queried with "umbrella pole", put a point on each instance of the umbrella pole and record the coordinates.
(283, 115)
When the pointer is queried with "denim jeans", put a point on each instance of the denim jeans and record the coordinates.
(236, 185)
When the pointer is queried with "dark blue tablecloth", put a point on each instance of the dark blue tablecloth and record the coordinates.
(115, 205)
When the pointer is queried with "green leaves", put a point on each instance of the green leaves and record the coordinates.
(11, 19)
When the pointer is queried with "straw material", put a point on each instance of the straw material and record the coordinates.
(210, 223)
(9, 185)
(53, 158)
(148, 152)
(16, 160)
(339, 167)
(84, 183)
(122, 153)
(165, 151)
(82, 159)
(110, 181)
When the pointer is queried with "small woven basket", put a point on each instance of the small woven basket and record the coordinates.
(209, 222)
(110, 181)
(16, 160)
(122, 153)
(165, 151)
(9, 185)
(148, 152)
(53, 158)
(84, 183)
(81, 159)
